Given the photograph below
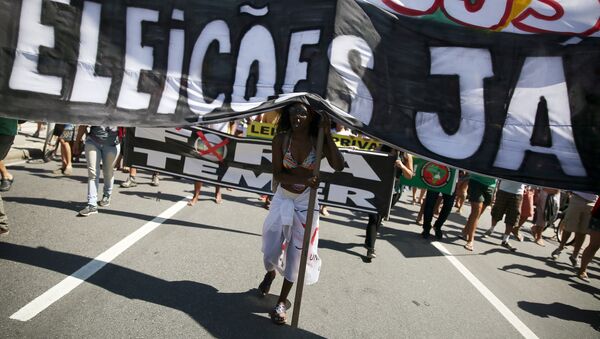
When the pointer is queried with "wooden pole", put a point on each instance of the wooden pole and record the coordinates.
(307, 234)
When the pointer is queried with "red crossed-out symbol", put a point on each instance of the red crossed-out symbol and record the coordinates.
(210, 148)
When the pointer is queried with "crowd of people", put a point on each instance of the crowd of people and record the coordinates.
(294, 158)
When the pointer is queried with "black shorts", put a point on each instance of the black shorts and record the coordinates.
(6, 142)
(479, 192)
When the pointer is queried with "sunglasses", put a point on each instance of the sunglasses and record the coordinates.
(298, 110)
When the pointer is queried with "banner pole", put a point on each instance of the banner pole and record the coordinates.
(307, 233)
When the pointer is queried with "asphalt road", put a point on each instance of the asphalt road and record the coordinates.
(194, 274)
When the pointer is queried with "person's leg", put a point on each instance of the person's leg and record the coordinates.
(131, 181)
(109, 156)
(218, 197)
(197, 189)
(427, 208)
(471, 227)
(422, 192)
(155, 179)
(93, 167)
(4, 171)
(285, 291)
(588, 254)
(66, 156)
(438, 204)
(577, 243)
(371, 234)
(420, 215)
(448, 201)
(3, 219)
(414, 195)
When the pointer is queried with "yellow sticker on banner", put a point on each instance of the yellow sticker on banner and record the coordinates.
(262, 130)
(349, 141)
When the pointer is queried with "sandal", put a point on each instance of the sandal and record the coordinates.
(278, 315)
(583, 276)
(265, 285)
(468, 246)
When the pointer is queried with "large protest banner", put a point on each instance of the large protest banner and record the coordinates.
(210, 156)
(511, 105)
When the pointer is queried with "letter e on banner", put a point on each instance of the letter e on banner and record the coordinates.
(32, 35)
(341, 194)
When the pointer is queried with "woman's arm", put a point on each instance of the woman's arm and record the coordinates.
(407, 169)
(330, 149)
(78, 136)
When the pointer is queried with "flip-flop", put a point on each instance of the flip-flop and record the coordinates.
(468, 247)
(584, 277)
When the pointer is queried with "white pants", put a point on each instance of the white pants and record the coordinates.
(283, 235)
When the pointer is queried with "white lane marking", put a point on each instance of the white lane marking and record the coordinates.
(71, 282)
(16, 163)
(506, 313)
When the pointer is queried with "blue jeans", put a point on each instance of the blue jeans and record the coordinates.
(95, 154)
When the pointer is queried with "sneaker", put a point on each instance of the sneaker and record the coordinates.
(130, 182)
(518, 235)
(556, 253)
(508, 246)
(88, 210)
(371, 254)
(6, 184)
(438, 234)
(105, 201)
(155, 180)
(488, 233)
(574, 261)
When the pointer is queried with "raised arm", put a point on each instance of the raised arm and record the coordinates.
(330, 149)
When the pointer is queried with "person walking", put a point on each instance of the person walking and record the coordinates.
(429, 208)
(507, 204)
(404, 162)
(101, 146)
(546, 211)
(576, 220)
(294, 159)
(592, 248)
(481, 192)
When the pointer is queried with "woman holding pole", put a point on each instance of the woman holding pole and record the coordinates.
(294, 160)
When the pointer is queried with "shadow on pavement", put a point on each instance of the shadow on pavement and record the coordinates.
(75, 206)
(563, 311)
(223, 315)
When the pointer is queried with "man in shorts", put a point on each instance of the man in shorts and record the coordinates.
(481, 192)
(576, 220)
(508, 205)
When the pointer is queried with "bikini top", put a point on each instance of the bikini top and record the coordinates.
(289, 162)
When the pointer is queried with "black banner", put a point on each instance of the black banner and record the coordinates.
(519, 106)
(210, 156)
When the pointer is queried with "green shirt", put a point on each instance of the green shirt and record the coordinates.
(487, 181)
(8, 126)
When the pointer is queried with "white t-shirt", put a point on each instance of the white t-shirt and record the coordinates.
(512, 187)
